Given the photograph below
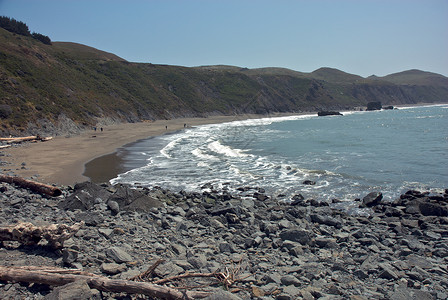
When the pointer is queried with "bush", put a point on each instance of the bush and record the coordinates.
(43, 38)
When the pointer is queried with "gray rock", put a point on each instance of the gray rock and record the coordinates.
(226, 247)
(372, 199)
(404, 293)
(118, 255)
(302, 236)
(133, 199)
(290, 280)
(326, 220)
(112, 268)
(113, 206)
(199, 261)
(84, 196)
(69, 256)
(77, 290)
(433, 209)
(388, 272)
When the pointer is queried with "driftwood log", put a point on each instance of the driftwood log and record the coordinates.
(28, 234)
(25, 139)
(58, 277)
(34, 186)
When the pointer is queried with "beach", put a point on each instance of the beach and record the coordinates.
(62, 160)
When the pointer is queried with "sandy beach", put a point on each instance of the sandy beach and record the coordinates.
(62, 160)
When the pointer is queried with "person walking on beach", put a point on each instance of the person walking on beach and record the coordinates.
(166, 127)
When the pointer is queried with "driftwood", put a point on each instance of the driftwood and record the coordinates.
(32, 185)
(4, 146)
(28, 234)
(25, 139)
(57, 277)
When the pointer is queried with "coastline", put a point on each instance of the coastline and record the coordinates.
(93, 155)
(62, 160)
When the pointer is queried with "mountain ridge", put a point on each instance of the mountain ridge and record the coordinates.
(65, 87)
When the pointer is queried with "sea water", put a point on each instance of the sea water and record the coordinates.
(347, 156)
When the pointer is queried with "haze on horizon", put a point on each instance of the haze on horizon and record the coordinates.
(362, 37)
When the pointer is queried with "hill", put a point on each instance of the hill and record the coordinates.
(65, 87)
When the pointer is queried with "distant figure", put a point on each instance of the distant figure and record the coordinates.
(166, 127)
(101, 129)
(94, 128)
(185, 125)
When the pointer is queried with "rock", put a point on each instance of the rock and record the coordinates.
(113, 206)
(112, 268)
(69, 256)
(302, 236)
(327, 220)
(387, 272)
(372, 199)
(290, 280)
(77, 290)
(433, 209)
(84, 197)
(405, 293)
(133, 199)
(309, 182)
(225, 247)
(328, 113)
(118, 255)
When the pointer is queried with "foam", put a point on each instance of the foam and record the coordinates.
(219, 148)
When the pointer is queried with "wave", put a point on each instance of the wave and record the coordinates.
(165, 150)
(219, 148)
(200, 154)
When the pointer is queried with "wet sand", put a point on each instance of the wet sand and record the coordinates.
(62, 160)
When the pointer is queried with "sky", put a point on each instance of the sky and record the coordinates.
(363, 37)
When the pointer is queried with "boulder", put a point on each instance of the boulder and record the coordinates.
(299, 235)
(433, 209)
(133, 200)
(372, 199)
(84, 197)
(329, 113)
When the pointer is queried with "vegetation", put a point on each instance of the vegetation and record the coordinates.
(21, 28)
(41, 83)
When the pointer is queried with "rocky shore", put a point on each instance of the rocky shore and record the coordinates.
(267, 249)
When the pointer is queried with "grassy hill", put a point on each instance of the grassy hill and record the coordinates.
(65, 87)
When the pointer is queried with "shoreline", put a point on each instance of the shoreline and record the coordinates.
(93, 156)
(62, 160)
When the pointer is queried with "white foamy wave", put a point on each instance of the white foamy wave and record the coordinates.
(200, 154)
(166, 150)
(217, 147)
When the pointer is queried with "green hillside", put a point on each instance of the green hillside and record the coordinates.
(66, 86)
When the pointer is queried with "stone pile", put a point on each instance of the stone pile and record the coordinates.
(268, 249)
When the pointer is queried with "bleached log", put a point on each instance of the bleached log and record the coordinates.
(57, 277)
(28, 234)
(37, 187)
(23, 138)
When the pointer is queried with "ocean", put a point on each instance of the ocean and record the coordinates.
(347, 156)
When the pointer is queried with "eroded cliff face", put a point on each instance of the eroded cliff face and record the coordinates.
(65, 87)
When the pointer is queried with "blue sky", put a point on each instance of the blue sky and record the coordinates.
(362, 37)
